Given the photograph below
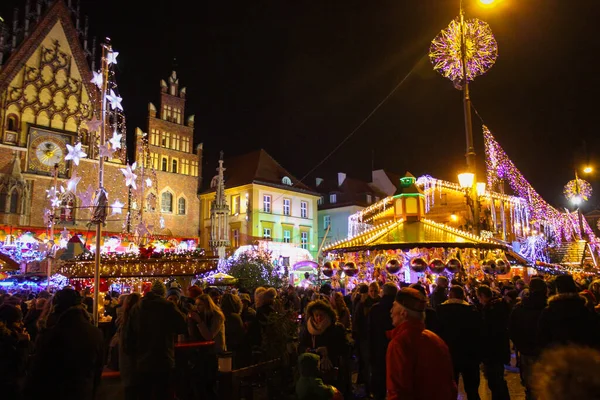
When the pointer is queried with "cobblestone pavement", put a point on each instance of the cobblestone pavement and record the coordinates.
(517, 392)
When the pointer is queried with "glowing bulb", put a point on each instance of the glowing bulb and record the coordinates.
(588, 170)
(487, 2)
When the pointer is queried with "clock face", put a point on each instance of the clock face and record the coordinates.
(49, 153)
(47, 149)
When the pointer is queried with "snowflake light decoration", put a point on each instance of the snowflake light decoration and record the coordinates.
(480, 45)
(571, 190)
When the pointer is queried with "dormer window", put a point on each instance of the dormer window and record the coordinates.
(286, 181)
(332, 198)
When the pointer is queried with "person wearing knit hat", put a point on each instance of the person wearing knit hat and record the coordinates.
(418, 363)
(158, 288)
(194, 291)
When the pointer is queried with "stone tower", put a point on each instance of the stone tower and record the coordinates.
(219, 215)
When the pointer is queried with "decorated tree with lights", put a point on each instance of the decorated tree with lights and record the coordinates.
(254, 269)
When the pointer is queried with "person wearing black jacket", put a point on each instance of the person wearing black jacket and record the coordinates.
(496, 344)
(522, 329)
(566, 319)
(379, 322)
(151, 332)
(461, 327)
(440, 293)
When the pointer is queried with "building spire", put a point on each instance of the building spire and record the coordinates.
(219, 215)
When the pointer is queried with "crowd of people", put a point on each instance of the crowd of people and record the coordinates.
(382, 342)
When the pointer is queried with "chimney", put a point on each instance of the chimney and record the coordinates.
(341, 178)
(318, 181)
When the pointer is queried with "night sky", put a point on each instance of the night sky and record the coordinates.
(296, 77)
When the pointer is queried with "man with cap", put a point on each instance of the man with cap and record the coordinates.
(418, 363)
(566, 319)
(151, 330)
(522, 329)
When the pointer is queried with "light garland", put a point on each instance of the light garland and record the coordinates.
(578, 188)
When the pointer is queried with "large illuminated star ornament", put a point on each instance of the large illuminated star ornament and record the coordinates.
(73, 182)
(117, 207)
(130, 177)
(111, 58)
(97, 79)
(55, 202)
(115, 100)
(51, 192)
(148, 182)
(116, 140)
(94, 124)
(106, 151)
(75, 153)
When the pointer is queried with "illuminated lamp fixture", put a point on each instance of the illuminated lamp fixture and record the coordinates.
(393, 266)
(466, 180)
(588, 170)
(327, 269)
(453, 265)
(418, 264)
(480, 188)
(350, 269)
(437, 266)
(453, 217)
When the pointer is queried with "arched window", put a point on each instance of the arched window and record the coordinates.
(3, 199)
(181, 206)
(67, 208)
(12, 123)
(174, 166)
(166, 202)
(14, 202)
(164, 164)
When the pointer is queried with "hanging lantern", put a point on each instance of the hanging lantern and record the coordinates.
(489, 266)
(437, 266)
(350, 269)
(328, 269)
(502, 267)
(418, 264)
(393, 266)
(453, 265)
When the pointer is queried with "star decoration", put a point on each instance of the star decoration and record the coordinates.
(115, 141)
(106, 151)
(97, 79)
(115, 101)
(142, 229)
(55, 202)
(86, 197)
(75, 153)
(111, 58)
(51, 192)
(130, 177)
(148, 182)
(117, 207)
(64, 234)
(94, 124)
(73, 182)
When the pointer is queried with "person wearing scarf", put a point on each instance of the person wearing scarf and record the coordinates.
(327, 338)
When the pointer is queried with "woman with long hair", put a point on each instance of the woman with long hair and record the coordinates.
(341, 309)
(210, 321)
(231, 305)
(327, 338)
(126, 358)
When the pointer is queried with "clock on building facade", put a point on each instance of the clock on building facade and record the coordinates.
(47, 148)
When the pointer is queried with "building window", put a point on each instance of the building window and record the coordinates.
(12, 123)
(326, 221)
(154, 157)
(267, 203)
(174, 166)
(67, 205)
(287, 236)
(235, 234)
(194, 168)
(304, 240)
(266, 233)
(369, 199)
(3, 198)
(185, 167)
(165, 164)
(444, 200)
(321, 200)
(303, 209)
(166, 202)
(14, 202)
(235, 205)
(185, 144)
(286, 206)
(181, 206)
(175, 142)
(332, 198)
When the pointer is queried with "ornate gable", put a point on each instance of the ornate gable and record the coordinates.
(46, 81)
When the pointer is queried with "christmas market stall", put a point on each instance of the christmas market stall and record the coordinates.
(405, 245)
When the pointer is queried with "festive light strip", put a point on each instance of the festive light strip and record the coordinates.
(562, 226)
(355, 239)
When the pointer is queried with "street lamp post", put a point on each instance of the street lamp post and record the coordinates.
(470, 154)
